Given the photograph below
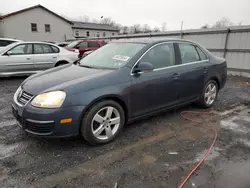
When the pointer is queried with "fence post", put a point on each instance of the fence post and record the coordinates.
(226, 41)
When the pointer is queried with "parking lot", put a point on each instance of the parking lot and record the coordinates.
(155, 152)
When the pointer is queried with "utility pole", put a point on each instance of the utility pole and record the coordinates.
(181, 34)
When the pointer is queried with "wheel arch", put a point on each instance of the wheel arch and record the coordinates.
(115, 98)
(61, 62)
(217, 80)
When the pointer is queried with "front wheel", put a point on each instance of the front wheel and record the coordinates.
(209, 94)
(102, 122)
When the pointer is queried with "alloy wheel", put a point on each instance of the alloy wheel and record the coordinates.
(210, 94)
(105, 123)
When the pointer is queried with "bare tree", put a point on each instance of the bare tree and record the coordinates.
(156, 29)
(135, 29)
(222, 23)
(146, 28)
(206, 26)
(84, 18)
(164, 27)
(93, 20)
(66, 17)
(125, 30)
(107, 21)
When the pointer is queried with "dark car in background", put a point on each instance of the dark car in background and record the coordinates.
(85, 45)
(5, 42)
(62, 44)
(121, 82)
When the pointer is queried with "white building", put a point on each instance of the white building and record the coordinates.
(83, 29)
(38, 23)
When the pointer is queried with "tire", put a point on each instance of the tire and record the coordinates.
(204, 102)
(60, 64)
(99, 118)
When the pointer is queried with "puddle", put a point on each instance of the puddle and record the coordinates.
(9, 150)
(7, 123)
(239, 122)
(214, 153)
(229, 124)
(234, 175)
(245, 142)
(237, 108)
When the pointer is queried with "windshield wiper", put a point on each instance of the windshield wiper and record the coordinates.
(87, 66)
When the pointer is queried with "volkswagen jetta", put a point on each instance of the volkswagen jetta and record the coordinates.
(123, 81)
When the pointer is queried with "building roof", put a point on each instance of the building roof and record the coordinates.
(31, 8)
(147, 40)
(93, 26)
(151, 41)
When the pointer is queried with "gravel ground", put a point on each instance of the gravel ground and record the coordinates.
(155, 152)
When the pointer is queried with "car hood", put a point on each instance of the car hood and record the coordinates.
(60, 78)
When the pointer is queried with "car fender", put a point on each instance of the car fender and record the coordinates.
(59, 59)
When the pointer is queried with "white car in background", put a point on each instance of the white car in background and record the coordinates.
(24, 58)
(5, 42)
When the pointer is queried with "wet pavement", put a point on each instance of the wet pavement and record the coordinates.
(155, 152)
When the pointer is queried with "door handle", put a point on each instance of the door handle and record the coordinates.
(176, 76)
(28, 58)
(54, 57)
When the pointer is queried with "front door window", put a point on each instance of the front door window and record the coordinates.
(21, 49)
(160, 56)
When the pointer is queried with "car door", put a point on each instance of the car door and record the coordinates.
(192, 72)
(82, 47)
(44, 56)
(155, 90)
(17, 59)
(93, 45)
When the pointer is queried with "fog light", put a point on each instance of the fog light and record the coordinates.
(67, 120)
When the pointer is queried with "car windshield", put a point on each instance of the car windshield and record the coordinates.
(112, 56)
(8, 47)
(72, 44)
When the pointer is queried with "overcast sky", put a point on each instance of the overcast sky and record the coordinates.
(194, 13)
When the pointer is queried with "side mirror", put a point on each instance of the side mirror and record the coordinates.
(9, 53)
(143, 67)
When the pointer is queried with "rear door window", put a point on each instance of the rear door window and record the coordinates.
(83, 45)
(202, 55)
(42, 49)
(188, 53)
(93, 44)
(55, 49)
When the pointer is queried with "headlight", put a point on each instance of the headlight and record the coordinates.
(53, 99)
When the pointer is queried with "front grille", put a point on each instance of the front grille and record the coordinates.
(39, 128)
(24, 97)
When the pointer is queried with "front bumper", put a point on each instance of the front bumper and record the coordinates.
(46, 122)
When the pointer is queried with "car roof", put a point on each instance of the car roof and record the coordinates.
(149, 40)
(9, 39)
(83, 40)
(37, 42)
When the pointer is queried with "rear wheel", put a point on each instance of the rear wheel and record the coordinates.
(209, 94)
(102, 122)
(61, 63)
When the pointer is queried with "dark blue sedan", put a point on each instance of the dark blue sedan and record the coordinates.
(123, 81)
